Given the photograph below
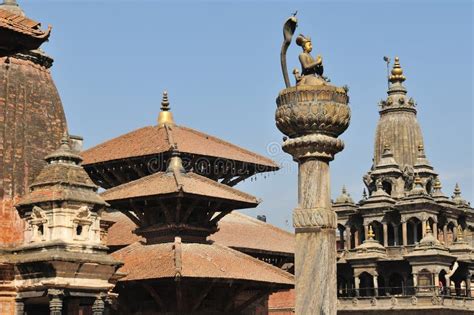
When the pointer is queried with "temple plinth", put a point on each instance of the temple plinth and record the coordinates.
(313, 116)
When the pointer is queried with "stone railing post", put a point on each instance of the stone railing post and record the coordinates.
(313, 117)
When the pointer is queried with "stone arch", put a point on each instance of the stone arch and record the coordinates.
(451, 232)
(414, 230)
(429, 186)
(340, 237)
(366, 287)
(387, 186)
(377, 227)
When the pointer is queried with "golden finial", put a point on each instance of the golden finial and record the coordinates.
(165, 117)
(397, 72)
(437, 184)
(428, 227)
(457, 190)
(370, 234)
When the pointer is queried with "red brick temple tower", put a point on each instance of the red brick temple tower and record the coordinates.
(32, 119)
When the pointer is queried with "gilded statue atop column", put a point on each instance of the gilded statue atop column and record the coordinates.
(311, 68)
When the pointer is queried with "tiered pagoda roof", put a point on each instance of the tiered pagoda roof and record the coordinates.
(200, 261)
(147, 150)
(17, 32)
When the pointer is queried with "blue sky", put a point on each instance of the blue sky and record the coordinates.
(220, 63)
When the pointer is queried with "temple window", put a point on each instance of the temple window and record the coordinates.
(387, 187)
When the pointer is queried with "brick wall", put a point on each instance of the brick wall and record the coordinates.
(32, 123)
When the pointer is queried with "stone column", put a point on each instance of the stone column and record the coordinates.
(423, 228)
(376, 285)
(366, 231)
(313, 116)
(415, 282)
(468, 286)
(448, 284)
(436, 283)
(19, 307)
(445, 234)
(356, 238)
(385, 234)
(356, 285)
(347, 241)
(435, 229)
(98, 307)
(55, 301)
(404, 233)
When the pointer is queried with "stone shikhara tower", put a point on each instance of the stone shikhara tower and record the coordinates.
(405, 246)
(312, 115)
(32, 119)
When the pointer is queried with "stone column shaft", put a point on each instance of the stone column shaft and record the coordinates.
(404, 233)
(445, 234)
(385, 234)
(423, 228)
(55, 301)
(347, 239)
(98, 307)
(356, 285)
(366, 231)
(20, 307)
(315, 255)
(435, 230)
(376, 286)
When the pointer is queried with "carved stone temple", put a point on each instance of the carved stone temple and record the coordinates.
(144, 223)
(405, 246)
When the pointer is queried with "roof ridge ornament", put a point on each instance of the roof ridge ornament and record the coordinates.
(165, 117)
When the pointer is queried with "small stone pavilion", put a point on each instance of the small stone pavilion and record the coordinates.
(405, 245)
(63, 267)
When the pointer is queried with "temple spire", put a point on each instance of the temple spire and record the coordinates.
(165, 117)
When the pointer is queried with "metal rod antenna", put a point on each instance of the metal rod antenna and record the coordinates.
(387, 61)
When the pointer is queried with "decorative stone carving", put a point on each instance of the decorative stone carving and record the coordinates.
(314, 218)
(414, 300)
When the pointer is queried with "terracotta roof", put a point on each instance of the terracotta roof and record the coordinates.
(121, 232)
(282, 301)
(62, 179)
(194, 260)
(21, 25)
(154, 140)
(165, 183)
(238, 230)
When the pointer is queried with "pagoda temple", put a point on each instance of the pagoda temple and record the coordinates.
(174, 265)
(405, 246)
